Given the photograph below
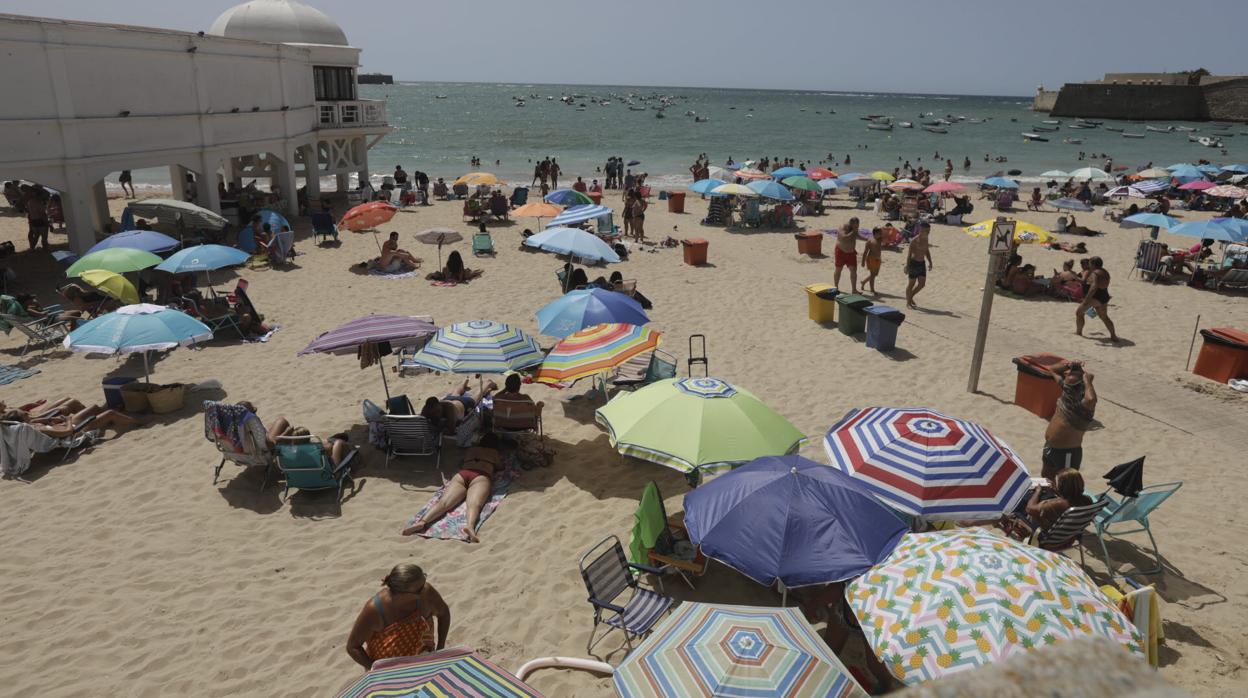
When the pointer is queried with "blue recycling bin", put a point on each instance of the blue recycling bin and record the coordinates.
(882, 324)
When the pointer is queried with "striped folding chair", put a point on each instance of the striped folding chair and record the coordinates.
(1148, 258)
(608, 575)
(412, 435)
(1068, 530)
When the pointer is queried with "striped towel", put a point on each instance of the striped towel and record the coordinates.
(8, 374)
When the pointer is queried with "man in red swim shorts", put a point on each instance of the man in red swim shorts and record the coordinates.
(847, 254)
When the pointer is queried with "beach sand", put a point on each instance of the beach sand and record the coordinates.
(127, 572)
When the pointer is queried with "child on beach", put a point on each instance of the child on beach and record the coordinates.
(871, 259)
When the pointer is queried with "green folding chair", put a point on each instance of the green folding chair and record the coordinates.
(306, 465)
(482, 243)
(1131, 510)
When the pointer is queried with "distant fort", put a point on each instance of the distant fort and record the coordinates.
(376, 79)
(1187, 96)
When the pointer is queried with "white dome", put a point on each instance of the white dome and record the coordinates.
(278, 21)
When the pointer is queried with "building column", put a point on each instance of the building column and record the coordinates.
(206, 184)
(312, 171)
(363, 163)
(285, 171)
(177, 182)
(84, 214)
(344, 182)
(230, 173)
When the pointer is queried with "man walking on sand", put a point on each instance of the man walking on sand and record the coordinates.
(1076, 408)
(871, 259)
(918, 263)
(846, 254)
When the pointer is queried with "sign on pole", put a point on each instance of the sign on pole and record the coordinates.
(999, 242)
(1002, 236)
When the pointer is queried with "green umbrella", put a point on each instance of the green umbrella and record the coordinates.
(798, 182)
(115, 259)
(697, 425)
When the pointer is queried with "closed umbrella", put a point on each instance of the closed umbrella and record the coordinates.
(594, 350)
(577, 214)
(366, 216)
(1127, 479)
(567, 197)
(395, 330)
(114, 259)
(1070, 204)
(574, 242)
(112, 283)
(183, 213)
(801, 182)
(457, 672)
(147, 240)
(439, 237)
(479, 346)
(576, 310)
(138, 328)
(770, 189)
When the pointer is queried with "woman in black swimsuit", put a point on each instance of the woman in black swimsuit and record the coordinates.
(1097, 298)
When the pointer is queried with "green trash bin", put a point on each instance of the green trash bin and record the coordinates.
(852, 318)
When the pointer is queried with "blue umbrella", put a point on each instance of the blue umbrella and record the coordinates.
(1186, 172)
(791, 520)
(1210, 230)
(202, 258)
(572, 241)
(1001, 183)
(1177, 165)
(1152, 219)
(576, 214)
(830, 183)
(1237, 169)
(1071, 204)
(788, 172)
(275, 221)
(146, 240)
(771, 189)
(138, 328)
(1208, 169)
(704, 186)
(852, 176)
(127, 219)
(1237, 226)
(566, 197)
(576, 310)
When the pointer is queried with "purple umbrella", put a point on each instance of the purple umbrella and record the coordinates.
(398, 330)
(791, 521)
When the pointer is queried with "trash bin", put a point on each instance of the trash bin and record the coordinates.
(821, 302)
(810, 243)
(676, 202)
(695, 251)
(1223, 355)
(595, 196)
(853, 321)
(882, 324)
(1034, 389)
(112, 392)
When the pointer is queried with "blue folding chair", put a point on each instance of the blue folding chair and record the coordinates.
(306, 465)
(323, 226)
(1128, 510)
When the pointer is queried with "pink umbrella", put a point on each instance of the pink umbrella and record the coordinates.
(942, 187)
(367, 216)
(1198, 185)
(1227, 192)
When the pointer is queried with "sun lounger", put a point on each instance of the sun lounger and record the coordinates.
(519, 196)
(608, 576)
(323, 226)
(19, 442)
(1148, 258)
(644, 369)
(482, 243)
(412, 435)
(40, 333)
(306, 465)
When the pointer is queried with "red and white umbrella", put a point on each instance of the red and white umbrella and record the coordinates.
(367, 216)
(942, 187)
(905, 185)
(1227, 191)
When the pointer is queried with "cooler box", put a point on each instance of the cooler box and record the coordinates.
(853, 320)
(112, 392)
(695, 251)
(810, 243)
(1223, 355)
(882, 324)
(676, 202)
(821, 302)
(1035, 390)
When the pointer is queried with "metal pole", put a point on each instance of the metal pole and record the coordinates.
(1192, 345)
(985, 315)
(382, 365)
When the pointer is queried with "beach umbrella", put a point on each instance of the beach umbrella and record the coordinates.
(576, 310)
(1127, 191)
(791, 520)
(1227, 191)
(147, 240)
(1090, 173)
(1212, 229)
(1024, 232)
(1070, 204)
(1185, 172)
(1127, 479)
(567, 197)
(183, 213)
(786, 172)
(830, 184)
(704, 186)
(1055, 174)
(818, 173)
(595, 349)
(369, 215)
(396, 330)
(905, 185)
(926, 464)
(479, 346)
(801, 182)
(202, 258)
(1197, 185)
(707, 650)
(450, 673)
(853, 177)
(478, 179)
(1209, 169)
(1237, 226)
(733, 189)
(1238, 169)
(942, 187)
(770, 189)
(633, 163)
(1152, 186)
(1000, 183)
(574, 242)
(1152, 220)
(439, 237)
(1153, 173)
(950, 601)
(751, 173)
(112, 283)
(115, 259)
(696, 425)
(536, 209)
(137, 328)
(882, 176)
(577, 214)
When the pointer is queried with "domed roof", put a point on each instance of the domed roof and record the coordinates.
(278, 21)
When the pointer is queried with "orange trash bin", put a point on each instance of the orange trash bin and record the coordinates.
(1035, 390)
(1223, 355)
(810, 243)
(676, 202)
(695, 251)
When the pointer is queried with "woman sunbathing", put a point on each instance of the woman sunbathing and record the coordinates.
(64, 417)
(398, 621)
(455, 271)
(472, 484)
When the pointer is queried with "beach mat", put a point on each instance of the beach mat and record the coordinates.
(448, 527)
(396, 275)
(9, 374)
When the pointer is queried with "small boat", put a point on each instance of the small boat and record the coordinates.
(1035, 137)
(1159, 129)
(936, 129)
(880, 127)
(1073, 141)
(1222, 134)
(659, 115)
(872, 117)
(1220, 124)
(905, 124)
(1078, 125)
(1046, 128)
(1051, 121)
(439, 96)
(1014, 173)
(1115, 129)
(974, 121)
(1132, 135)
(701, 119)
(580, 108)
(520, 103)
(944, 122)
(1090, 122)
(1209, 142)
(931, 123)
(637, 109)
(1185, 129)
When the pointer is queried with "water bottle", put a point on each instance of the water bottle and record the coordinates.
(1091, 313)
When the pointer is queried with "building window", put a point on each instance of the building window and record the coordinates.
(334, 84)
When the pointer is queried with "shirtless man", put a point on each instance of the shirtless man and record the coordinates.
(918, 263)
(871, 259)
(1096, 298)
(1076, 408)
(390, 251)
(846, 254)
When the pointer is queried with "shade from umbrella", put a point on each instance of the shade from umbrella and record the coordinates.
(1055, 174)
(923, 463)
(576, 310)
(751, 173)
(791, 520)
(882, 176)
(1198, 185)
(536, 209)
(184, 212)
(716, 651)
(696, 425)
(115, 259)
(734, 189)
(942, 187)
(567, 197)
(1000, 183)
(801, 182)
(1090, 173)
(397, 330)
(770, 189)
(1070, 204)
(479, 346)
(1127, 479)
(1151, 220)
(147, 240)
(818, 173)
(478, 179)
(112, 283)
(1212, 229)
(577, 214)
(595, 349)
(950, 601)
(905, 185)
(785, 172)
(457, 672)
(1153, 173)
(366, 216)
(1024, 232)
(1227, 191)
(139, 328)
(575, 242)
(704, 186)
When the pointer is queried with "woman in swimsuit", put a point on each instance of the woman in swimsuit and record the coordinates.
(473, 483)
(398, 621)
(1097, 298)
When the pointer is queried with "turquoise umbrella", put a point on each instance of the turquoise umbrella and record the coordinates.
(770, 189)
(801, 182)
(575, 242)
(202, 258)
(705, 186)
(139, 328)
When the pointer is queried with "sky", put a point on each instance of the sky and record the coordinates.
(992, 47)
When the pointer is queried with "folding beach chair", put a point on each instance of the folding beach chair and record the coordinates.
(412, 435)
(279, 251)
(1234, 278)
(306, 465)
(608, 575)
(644, 369)
(323, 226)
(224, 321)
(40, 333)
(516, 417)
(1148, 258)
(752, 216)
(1132, 510)
(482, 243)
(15, 462)
(1067, 531)
(662, 541)
(519, 196)
(253, 452)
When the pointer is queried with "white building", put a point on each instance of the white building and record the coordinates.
(269, 91)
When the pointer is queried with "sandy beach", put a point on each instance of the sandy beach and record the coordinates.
(128, 573)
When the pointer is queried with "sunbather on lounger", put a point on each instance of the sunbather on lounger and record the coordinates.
(473, 484)
(63, 421)
(449, 412)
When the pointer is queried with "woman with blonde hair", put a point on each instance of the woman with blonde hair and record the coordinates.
(399, 620)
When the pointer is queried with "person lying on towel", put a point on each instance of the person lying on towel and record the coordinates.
(473, 483)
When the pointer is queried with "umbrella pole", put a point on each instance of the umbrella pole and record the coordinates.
(376, 242)
(384, 382)
(147, 376)
(439, 255)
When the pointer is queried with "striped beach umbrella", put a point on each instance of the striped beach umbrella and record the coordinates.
(451, 673)
(950, 601)
(396, 330)
(577, 214)
(479, 346)
(595, 350)
(369, 215)
(923, 463)
(707, 650)
(1226, 191)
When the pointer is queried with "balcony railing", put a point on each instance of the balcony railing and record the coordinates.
(352, 114)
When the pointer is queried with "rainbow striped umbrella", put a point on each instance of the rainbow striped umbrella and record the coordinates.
(594, 350)
(949, 601)
(452, 673)
(707, 650)
(923, 463)
(479, 346)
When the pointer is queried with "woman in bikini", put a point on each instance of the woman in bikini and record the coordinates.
(399, 620)
(473, 484)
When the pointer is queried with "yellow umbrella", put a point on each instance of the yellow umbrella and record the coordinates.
(1024, 232)
(882, 176)
(113, 284)
(476, 179)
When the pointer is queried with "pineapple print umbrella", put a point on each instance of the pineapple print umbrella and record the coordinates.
(949, 601)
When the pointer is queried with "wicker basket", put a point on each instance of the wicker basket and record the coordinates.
(167, 398)
(134, 396)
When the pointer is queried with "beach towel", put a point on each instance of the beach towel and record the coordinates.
(449, 527)
(227, 421)
(394, 275)
(1140, 606)
(8, 374)
(264, 337)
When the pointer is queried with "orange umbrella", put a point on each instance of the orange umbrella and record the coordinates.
(537, 209)
(367, 216)
(905, 185)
